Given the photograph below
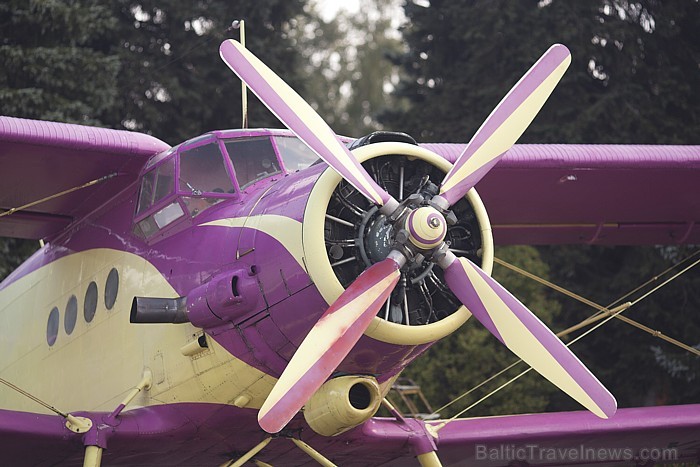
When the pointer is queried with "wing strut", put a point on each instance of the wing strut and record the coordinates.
(314, 454)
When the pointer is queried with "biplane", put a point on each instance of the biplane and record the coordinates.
(251, 295)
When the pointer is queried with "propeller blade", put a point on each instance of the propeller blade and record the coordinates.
(292, 110)
(526, 336)
(506, 123)
(328, 343)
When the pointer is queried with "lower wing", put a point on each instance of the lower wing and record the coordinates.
(213, 434)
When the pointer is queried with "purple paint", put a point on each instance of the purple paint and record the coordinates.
(300, 387)
(591, 194)
(416, 235)
(461, 286)
(78, 137)
(459, 191)
(188, 256)
(211, 434)
(290, 117)
(555, 347)
(459, 283)
(523, 89)
(35, 152)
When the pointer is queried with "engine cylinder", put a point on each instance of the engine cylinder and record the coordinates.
(437, 312)
(342, 403)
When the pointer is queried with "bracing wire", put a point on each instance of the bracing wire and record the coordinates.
(603, 312)
(57, 195)
(34, 398)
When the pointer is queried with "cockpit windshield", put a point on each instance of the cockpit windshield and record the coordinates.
(197, 175)
(295, 154)
(202, 170)
(253, 159)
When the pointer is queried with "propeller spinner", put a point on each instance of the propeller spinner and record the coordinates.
(421, 226)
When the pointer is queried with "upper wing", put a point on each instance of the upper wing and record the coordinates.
(595, 194)
(39, 159)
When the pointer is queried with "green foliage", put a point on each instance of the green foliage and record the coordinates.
(173, 83)
(12, 252)
(638, 368)
(152, 66)
(46, 48)
(57, 65)
(347, 64)
(632, 79)
(470, 355)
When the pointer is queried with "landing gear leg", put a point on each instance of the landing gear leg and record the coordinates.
(93, 456)
(429, 459)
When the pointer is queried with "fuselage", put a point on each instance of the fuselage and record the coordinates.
(244, 243)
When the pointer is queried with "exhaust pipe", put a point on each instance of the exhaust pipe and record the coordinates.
(159, 310)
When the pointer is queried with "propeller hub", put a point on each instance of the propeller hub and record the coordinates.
(426, 227)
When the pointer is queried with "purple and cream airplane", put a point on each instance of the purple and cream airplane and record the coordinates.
(250, 296)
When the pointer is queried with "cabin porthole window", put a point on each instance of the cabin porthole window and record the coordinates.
(71, 315)
(52, 326)
(111, 288)
(90, 303)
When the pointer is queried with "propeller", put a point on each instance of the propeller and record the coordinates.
(329, 342)
(425, 226)
(292, 110)
(505, 124)
(525, 335)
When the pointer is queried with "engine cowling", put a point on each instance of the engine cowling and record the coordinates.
(342, 403)
(342, 237)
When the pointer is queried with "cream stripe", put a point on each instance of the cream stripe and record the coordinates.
(325, 334)
(285, 230)
(510, 130)
(522, 342)
(109, 350)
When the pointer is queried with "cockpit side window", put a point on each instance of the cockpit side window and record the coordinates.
(157, 194)
(202, 170)
(253, 159)
(146, 194)
(156, 185)
(165, 182)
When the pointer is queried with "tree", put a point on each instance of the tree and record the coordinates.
(151, 66)
(471, 354)
(639, 368)
(173, 83)
(632, 80)
(12, 252)
(347, 65)
(45, 48)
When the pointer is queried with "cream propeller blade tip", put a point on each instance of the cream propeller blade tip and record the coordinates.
(328, 343)
(506, 123)
(526, 336)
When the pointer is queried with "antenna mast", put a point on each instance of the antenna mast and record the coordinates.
(240, 24)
